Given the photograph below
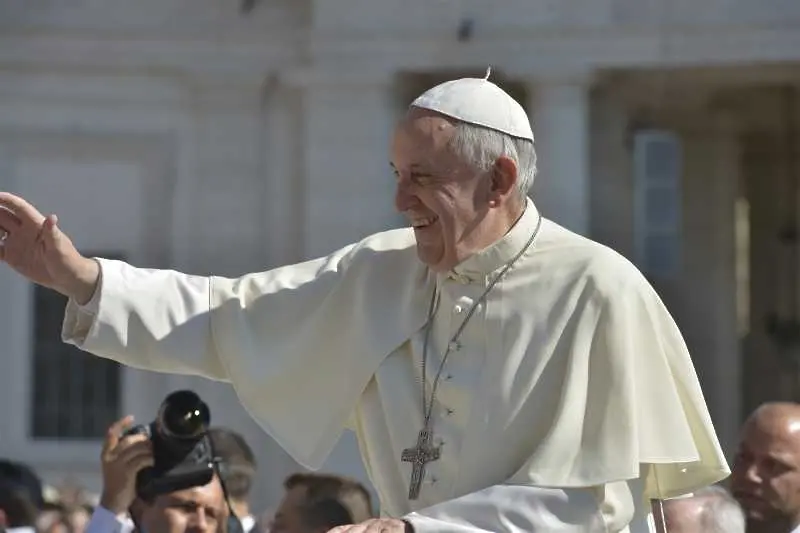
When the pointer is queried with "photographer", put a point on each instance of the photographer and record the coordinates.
(200, 509)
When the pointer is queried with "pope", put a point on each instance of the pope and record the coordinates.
(501, 373)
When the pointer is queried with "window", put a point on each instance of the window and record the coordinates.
(657, 196)
(74, 395)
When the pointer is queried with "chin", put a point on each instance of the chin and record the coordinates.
(431, 260)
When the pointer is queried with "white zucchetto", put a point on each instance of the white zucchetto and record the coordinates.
(478, 101)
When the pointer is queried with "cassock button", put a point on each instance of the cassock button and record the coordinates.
(458, 309)
(448, 377)
(454, 346)
(449, 412)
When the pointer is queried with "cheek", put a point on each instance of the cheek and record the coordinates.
(173, 520)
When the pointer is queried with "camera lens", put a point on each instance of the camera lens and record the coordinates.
(183, 415)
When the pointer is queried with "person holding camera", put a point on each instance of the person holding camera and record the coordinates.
(200, 509)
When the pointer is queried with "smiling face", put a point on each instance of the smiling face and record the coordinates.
(765, 478)
(455, 208)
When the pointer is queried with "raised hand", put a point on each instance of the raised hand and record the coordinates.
(122, 458)
(34, 246)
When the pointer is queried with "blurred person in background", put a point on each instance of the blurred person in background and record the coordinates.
(317, 503)
(766, 470)
(18, 511)
(708, 510)
(54, 519)
(238, 469)
(196, 510)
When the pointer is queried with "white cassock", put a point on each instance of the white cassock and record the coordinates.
(570, 401)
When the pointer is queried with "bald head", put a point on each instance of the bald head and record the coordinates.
(766, 473)
(709, 510)
(781, 419)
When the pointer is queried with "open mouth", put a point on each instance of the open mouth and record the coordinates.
(422, 223)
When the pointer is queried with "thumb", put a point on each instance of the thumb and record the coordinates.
(51, 233)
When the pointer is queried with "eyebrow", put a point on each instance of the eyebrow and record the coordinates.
(415, 167)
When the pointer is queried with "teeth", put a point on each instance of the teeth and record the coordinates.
(423, 222)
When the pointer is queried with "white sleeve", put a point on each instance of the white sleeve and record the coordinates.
(104, 521)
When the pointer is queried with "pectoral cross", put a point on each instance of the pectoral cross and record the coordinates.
(419, 456)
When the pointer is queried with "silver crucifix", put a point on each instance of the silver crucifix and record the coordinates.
(419, 456)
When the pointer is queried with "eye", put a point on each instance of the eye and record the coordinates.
(776, 467)
(422, 179)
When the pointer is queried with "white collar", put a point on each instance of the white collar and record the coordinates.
(501, 252)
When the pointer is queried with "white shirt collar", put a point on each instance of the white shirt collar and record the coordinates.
(247, 523)
(501, 252)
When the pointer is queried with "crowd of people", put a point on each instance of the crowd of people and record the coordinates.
(312, 503)
(761, 496)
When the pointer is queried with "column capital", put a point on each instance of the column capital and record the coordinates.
(315, 77)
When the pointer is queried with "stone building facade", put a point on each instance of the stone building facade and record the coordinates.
(200, 136)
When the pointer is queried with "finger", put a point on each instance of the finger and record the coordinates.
(8, 220)
(114, 432)
(348, 528)
(24, 210)
(139, 462)
(127, 450)
(50, 232)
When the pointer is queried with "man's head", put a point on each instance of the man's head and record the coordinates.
(17, 508)
(765, 478)
(464, 159)
(315, 503)
(196, 510)
(709, 510)
(238, 468)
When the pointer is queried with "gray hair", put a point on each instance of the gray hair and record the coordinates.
(482, 147)
(720, 512)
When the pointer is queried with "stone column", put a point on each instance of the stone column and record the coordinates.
(559, 110)
(348, 183)
(725, 390)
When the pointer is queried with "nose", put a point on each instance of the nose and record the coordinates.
(751, 473)
(403, 197)
(199, 522)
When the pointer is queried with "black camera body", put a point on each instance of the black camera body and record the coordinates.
(182, 453)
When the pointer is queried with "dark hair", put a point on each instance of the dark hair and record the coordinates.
(237, 462)
(325, 514)
(23, 477)
(347, 492)
(19, 508)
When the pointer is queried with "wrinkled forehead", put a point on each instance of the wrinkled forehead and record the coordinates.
(423, 137)
(425, 128)
(209, 495)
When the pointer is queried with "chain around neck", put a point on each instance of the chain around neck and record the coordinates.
(427, 407)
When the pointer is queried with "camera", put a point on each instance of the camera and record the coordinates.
(182, 453)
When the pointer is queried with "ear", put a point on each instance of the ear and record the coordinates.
(504, 179)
